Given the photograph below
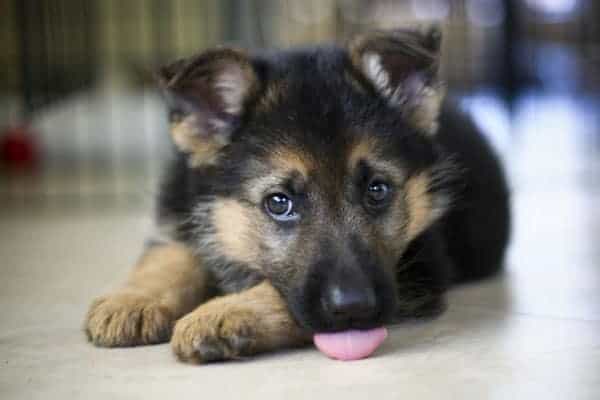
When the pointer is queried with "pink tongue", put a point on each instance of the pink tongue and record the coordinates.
(350, 345)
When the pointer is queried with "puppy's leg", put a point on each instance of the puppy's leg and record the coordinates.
(167, 283)
(237, 325)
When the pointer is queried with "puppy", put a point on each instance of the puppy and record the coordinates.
(314, 190)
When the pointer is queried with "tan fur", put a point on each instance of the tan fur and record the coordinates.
(287, 161)
(236, 231)
(203, 148)
(364, 149)
(235, 326)
(419, 205)
(282, 164)
(390, 239)
(166, 283)
(425, 116)
(367, 149)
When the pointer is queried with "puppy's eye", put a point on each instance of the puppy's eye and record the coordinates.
(280, 207)
(378, 193)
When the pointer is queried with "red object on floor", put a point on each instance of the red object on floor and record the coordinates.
(18, 149)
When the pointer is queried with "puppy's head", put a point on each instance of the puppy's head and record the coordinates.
(321, 166)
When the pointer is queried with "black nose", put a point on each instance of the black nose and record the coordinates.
(349, 304)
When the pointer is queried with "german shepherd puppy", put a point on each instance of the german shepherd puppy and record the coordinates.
(314, 190)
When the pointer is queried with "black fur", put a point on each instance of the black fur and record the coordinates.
(477, 228)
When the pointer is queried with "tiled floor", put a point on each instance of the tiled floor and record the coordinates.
(532, 333)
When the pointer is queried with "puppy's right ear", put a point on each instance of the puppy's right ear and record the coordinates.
(402, 66)
(206, 95)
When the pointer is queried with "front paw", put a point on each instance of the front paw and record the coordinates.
(214, 335)
(127, 319)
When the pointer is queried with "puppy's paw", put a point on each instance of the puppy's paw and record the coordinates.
(127, 319)
(210, 335)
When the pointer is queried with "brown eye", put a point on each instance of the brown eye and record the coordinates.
(280, 207)
(378, 193)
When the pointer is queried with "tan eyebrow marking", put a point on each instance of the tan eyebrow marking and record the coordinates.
(367, 149)
(288, 160)
(364, 149)
(283, 163)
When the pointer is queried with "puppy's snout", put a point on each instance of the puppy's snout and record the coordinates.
(347, 302)
(347, 292)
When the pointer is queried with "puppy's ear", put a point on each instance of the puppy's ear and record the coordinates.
(206, 95)
(402, 66)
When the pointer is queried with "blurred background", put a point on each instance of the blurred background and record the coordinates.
(82, 125)
(83, 138)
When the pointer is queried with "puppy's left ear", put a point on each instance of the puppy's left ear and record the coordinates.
(207, 96)
(402, 66)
